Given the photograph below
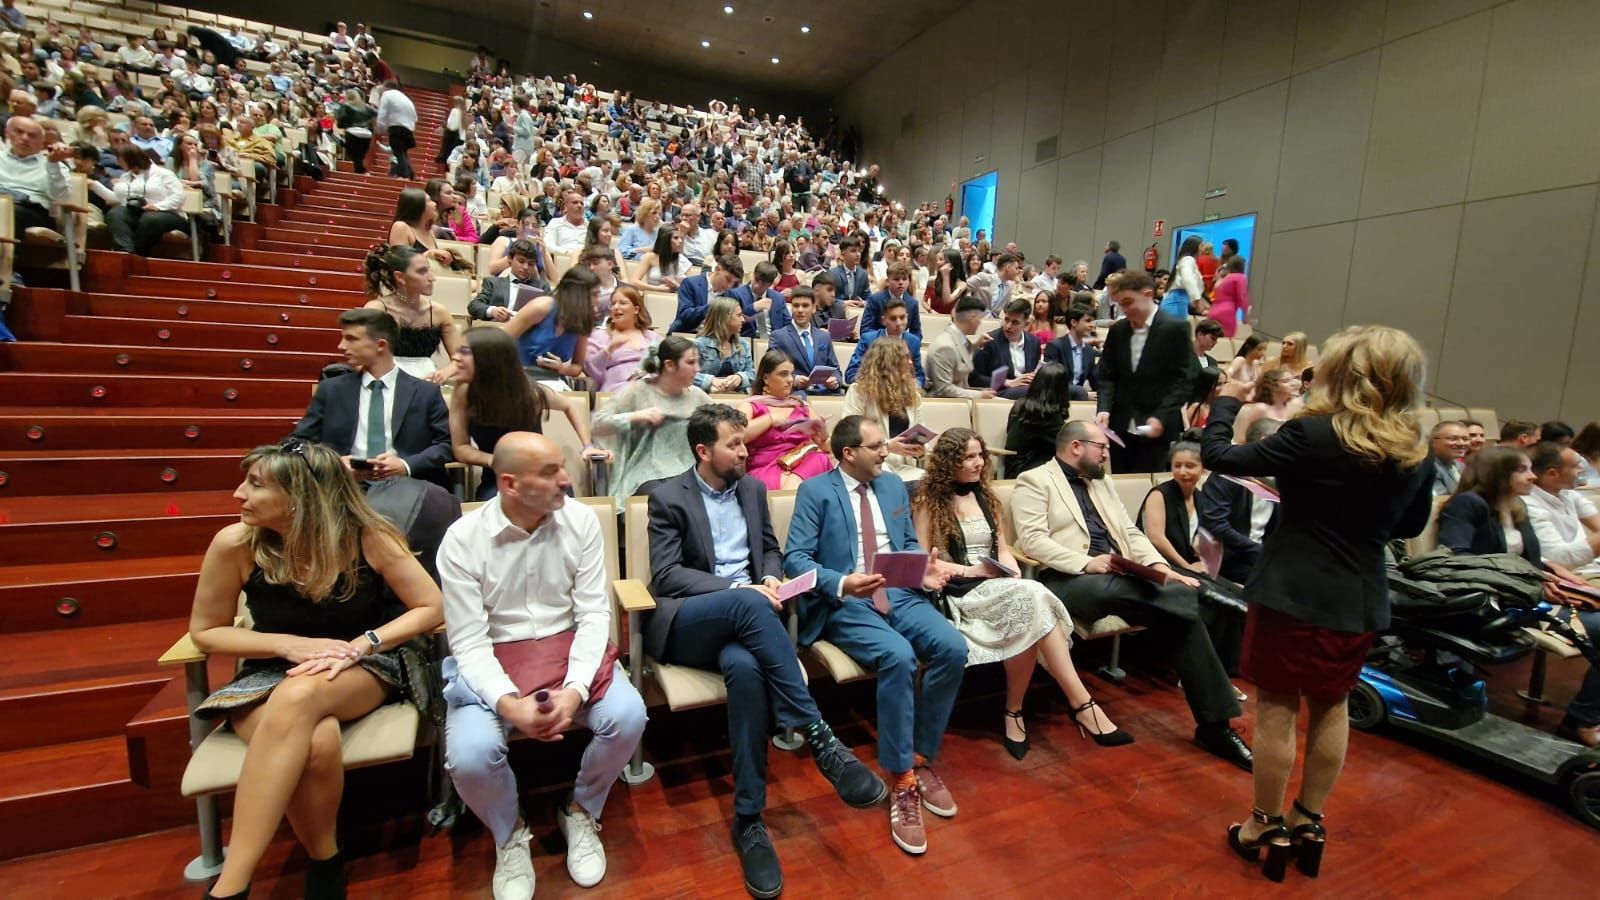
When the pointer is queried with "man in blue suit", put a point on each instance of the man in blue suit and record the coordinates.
(1013, 349)
(850, 281)
(842, 521)
(396, 423)
(770, 302)
(896, 286)
(894, 325)
(696, 292)
(805, 344)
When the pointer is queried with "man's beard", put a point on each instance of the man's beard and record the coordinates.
(732, 473)
(1090, 470)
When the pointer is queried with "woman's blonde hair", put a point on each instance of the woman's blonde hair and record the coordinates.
(319, 553)
(886, 378)
(647, 207)
(719, 320)
(1300, 360)
(1369, 383)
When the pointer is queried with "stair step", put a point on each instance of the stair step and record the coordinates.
(109, 359)
(75, 765)
(127, 391)
(197, 335)
(59, 473)
(104, 592)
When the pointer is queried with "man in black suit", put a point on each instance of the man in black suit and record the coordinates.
(1013, 349)
(807, 345)
(1206, 334)
(1110, 264)
(1237, 518)
(1147, 373)
(717, 608)
(494, 299)
(379, 415)
(1074, 351)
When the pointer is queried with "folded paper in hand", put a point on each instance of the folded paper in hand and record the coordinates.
(1001, 567)
(1209, 549)
(1121, 565)
(1114, 438)
(841, 329)
(1256, 487)
(997, 381)
(794, 587)
(917, 434)
(901, 568)
(821, 374)
(522, 295)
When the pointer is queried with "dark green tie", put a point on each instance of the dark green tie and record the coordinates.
(377, 431)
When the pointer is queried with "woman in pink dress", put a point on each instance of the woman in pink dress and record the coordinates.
(1230, 299)
(616, 350)
(782, 455)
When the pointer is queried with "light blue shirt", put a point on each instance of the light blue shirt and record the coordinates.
(635, 242)
(730, 537)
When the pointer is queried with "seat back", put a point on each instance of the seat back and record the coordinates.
(606, 512)
(663, 308)
(781, 506)
(1131, 490)
(989, 421)
(828, 406)
(942, 413)
(1487, 418)
(1002, 495)
(636, 531)
(452, 292)
(558, 428)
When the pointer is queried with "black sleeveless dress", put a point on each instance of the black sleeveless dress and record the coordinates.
(280, 609)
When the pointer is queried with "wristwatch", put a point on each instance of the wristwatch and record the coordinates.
(372, 638)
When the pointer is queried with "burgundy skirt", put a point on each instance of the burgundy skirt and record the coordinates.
(1284, 655)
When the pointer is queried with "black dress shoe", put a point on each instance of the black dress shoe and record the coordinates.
(325, 879)
(762, 876)
(1017, 749)
(1223, 742)
(856, 784)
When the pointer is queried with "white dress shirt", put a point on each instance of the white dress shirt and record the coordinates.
(1136, 344)
(1019, 358)
(395, 109)
(1044, 281)
(1557, 521)
(358, 448)
(562, 236)
(878, 521)
(503, 584)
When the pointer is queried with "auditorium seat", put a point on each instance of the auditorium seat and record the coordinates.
(1487, 418)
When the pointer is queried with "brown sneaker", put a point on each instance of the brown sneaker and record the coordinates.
(935, 796)
(905, 819)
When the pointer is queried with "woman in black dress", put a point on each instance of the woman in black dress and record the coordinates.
(1036, 418)
(331, 590)
(1353, 471)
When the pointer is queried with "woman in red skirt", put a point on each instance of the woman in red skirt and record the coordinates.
(1353, 471)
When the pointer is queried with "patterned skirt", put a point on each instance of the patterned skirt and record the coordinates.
(1003, 617)
(258, 679)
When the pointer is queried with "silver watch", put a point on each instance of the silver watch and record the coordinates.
(377, 642)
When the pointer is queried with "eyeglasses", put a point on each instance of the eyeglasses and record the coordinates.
(874, 447)
(1102, 446)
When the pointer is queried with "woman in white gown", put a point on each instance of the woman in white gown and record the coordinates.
(1012, 620)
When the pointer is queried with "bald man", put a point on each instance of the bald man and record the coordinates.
(32, 173)
(525, 589)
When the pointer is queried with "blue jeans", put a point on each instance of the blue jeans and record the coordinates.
(738, 633)
(475, 750)
(909, 721)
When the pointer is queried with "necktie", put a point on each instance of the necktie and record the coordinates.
(377, 432)
(805, 344)
(869, 550)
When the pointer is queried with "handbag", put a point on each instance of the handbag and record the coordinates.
(540, 664)
(791, 459)
(422, 678)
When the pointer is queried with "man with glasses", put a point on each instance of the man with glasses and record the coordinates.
(1449, 443)
(1068, 518)
(842, 521)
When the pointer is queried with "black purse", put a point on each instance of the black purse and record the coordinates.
(422, 678)
(956, 548)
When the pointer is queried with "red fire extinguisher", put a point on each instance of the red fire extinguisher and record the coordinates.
(1152, 258)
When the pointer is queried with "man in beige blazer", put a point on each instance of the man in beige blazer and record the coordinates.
(1069, 519)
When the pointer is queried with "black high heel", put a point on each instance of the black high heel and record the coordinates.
(1275, 838)
(1113, 738)
(1017, 749)
(1308, 840)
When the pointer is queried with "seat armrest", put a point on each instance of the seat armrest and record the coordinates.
(633, 595)
(1001, 451)
(182, 652)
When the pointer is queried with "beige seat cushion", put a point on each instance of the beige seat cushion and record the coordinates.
(386, 734)
(1553, 644)
(1105, 626)
(688, 688)
(841, 668)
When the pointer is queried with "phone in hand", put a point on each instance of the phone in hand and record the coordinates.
(364, 465)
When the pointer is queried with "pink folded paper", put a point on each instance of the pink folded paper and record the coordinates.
(1256, 487)
(1114, 438)
(901, 568)
(917, 434)
(794, 587)
(1209, 550)
(997, 381)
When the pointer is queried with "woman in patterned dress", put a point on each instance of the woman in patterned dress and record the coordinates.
(1012, 620)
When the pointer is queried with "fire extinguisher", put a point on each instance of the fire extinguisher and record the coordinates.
(1152, 259)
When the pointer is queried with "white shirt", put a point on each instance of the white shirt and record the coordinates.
(1557, 521)
(562, 236)
(700, 245)
(159, 186)
(395, 109)
(358, 448)
(1260, 515)
(1044, 281)
(1136, 344)
(878, 521)
(503, 584)
(1019, 359)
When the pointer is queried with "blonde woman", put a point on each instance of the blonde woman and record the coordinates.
(93, 125)
(321, 573)
(726, 364)
(885, 391)
(1292, 354)
(639, 237)
(1354, 471)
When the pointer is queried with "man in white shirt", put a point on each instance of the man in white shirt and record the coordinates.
(528, 566)
(398, 115)
(32, 174)
(1449, 444)
(135, 55)
(1046, 280)
(949, 357)
(1565, 521)
(697, 242)
(569, 232)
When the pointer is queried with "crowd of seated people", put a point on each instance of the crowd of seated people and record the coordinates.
(211, 112)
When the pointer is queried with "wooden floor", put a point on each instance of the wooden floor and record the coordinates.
(1144, 820)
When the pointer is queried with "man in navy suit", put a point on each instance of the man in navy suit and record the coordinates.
(770, 301)
(894, 325)
(696, 292)
(714, 571)
(805, 344)
(896, 285)
(842, 521)
(1013, 349)
(850, 280)
(1073, 351)
(379, 414)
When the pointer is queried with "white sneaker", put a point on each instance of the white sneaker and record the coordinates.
(513, 867)
(586, 859)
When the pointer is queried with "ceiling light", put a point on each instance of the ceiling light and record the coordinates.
(587, 14)
(728, 10)
(705, 43)
(805, 29)
(774, 60)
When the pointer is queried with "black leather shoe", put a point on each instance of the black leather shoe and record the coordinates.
(857, 785)
(325, 879)
(762, 876)
(1223, 742)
